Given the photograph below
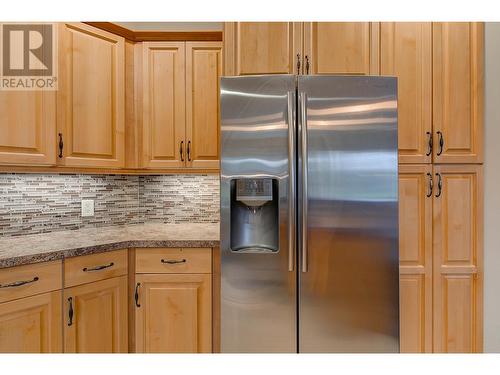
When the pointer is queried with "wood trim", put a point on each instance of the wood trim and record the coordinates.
(216, 285)
(133, 171)
(158, 36)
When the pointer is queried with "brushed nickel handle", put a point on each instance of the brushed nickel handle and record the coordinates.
(181, 150)
(98, 268)
(173, 261)
(441, 143)
(429, 144)
(137, 295)
(431, 184)
(19, 283)
(440, 185)
(70, 311)
(298, 63)
(291, 181)
(303, 131)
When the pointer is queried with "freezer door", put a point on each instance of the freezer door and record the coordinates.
(258, 278)
(348, 212)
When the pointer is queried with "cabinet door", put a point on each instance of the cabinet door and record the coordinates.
(31, 324)
(164, 120)
(341, 47)
(415, 258)
(458, 258)
(27, 128)
(90, 100)
(203, 70)
(458, 59)
(99, 322)
(406, 52)
(262, 47)
(174, 313)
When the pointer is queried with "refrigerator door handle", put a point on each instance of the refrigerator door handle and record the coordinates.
(291, 181)
(303, 139)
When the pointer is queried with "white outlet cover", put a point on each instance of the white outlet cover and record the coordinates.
(87, 207)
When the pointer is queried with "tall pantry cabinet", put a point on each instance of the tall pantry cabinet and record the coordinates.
(440, 123)
(440, 81)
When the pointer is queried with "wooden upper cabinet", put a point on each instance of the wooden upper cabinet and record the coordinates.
(27, 128)
(458, 259)
(90, 100)
(341, 47)
(261, 47)
(458, 59)
(99, 317)
(174, 313)
(164, 115)
(415, 258)
(31, 324)
(203, 71)
(406, 53)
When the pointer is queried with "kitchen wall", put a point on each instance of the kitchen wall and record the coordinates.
(492, 190)
(38, 203)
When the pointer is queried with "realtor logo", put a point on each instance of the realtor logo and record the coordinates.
(28, 56)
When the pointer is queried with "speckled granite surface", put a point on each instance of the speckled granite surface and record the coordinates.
(15, 251)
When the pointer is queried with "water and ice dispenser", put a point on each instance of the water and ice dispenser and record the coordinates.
(254, 215)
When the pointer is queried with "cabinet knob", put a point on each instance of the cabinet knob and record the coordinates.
(298, 63)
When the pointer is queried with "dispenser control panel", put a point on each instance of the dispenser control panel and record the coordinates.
(254, 191)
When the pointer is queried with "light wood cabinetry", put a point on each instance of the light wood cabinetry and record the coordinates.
(95, 303)
(458, 69)
(30, 309)
(96, 317)
(301, 48)
(181, 104)
(27, 128)
(341, 47)
(91, 97)
(262, 47)
(164, 105)
(406, 53)
(31, 324)
(203, 70)
(172, 304)
(415, 257)
(458, 258)
(175, 314)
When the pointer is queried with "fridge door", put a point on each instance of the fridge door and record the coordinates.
(348, 213)
(258, 279)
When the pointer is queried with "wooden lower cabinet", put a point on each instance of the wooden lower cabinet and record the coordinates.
(415, 258)
(458, 259)
(173, 313)
(95, 319)
(31, 324)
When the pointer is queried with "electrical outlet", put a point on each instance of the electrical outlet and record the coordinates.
(87, 207)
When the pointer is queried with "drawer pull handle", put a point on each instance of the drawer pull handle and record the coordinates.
(137, 294)
(19, 283)
(70, 312)
(98, 268)
(173, 261)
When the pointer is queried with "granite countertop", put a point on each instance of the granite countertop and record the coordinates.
(35, 248)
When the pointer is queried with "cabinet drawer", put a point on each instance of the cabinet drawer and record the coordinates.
(173, 260)
(24, 281)
(89, 268)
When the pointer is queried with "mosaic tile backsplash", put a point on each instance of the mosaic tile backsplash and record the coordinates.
(40, 203)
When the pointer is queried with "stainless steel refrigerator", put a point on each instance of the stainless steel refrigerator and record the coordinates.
(309, 214)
